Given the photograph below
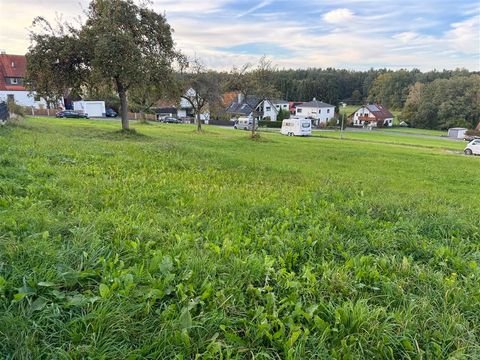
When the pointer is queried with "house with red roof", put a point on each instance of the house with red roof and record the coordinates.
(12, 86)
(372, 115)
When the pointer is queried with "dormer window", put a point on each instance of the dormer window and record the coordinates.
(13, 64)
(14, 81)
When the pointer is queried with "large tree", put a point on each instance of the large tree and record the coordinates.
(125, 45)
(200, 87)
(255, 80)
(55, 62)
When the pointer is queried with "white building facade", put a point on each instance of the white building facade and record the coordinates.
(12, 87)
(320, 112)
(371, 115)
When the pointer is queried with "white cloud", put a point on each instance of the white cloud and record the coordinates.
(465, 36)
(406, 37)
(255, 8)
(338, 16)
(356, 35)
(189, 7)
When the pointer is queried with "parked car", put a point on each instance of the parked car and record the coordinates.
(110, 113)
(470, 137)
(473, 148)
(71, 114)
(171, 120)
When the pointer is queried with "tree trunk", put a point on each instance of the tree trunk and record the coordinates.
(199, 122)
(143, 116)
(122, 93)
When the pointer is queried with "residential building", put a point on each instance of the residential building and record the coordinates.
(269, 109)
(318, 111)
(243, 106)
(372, 115)
(292, 106)
(12, 85)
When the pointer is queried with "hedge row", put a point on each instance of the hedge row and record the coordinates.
(270, 124)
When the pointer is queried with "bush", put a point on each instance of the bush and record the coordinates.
(473, 132)
(270, 124)
(14, 108)
(332, 122)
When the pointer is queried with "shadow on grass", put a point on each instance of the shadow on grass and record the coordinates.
(119, 135)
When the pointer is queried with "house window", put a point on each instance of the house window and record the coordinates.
(328, 111)
(10, 98)
(319, 111)
(299, 111)
(268, 108)
(36, 98)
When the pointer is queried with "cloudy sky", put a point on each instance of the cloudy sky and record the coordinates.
(353, 34)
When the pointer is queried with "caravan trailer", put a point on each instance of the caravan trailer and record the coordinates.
(296, 127)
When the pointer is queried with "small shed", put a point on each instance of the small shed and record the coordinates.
(457, 133)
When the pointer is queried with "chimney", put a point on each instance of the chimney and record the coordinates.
(240, 97)
(3, 52)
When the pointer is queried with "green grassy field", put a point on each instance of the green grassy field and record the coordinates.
(168, 244)
(414, 131)
(387, 136)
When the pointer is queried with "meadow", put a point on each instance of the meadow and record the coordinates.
(170, 244)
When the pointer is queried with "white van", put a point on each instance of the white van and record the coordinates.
(244, 123)
(296, 127)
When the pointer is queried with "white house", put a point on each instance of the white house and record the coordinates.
(186, 109)
(271, 108)
(371, 115)
(319, 111)
(12, 74)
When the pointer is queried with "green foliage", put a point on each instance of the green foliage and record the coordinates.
(444, 103)
(391, 88)
(77, 56)
(16, 109)
(283, 114)
(270, 124)
(167, 244)
(332, 122)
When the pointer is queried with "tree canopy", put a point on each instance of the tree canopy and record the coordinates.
(121, 44)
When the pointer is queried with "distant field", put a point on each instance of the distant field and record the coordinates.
(416, 131)
(168, 244)
(411, 137)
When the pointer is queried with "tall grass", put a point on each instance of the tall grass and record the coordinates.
(172, 244)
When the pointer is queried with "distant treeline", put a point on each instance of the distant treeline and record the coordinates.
(434, 99)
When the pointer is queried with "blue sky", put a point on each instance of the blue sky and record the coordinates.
(353, 34)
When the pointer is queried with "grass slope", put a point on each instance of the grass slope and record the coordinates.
(171, 244)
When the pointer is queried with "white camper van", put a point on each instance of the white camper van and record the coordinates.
(244, 123)
(296, 127)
